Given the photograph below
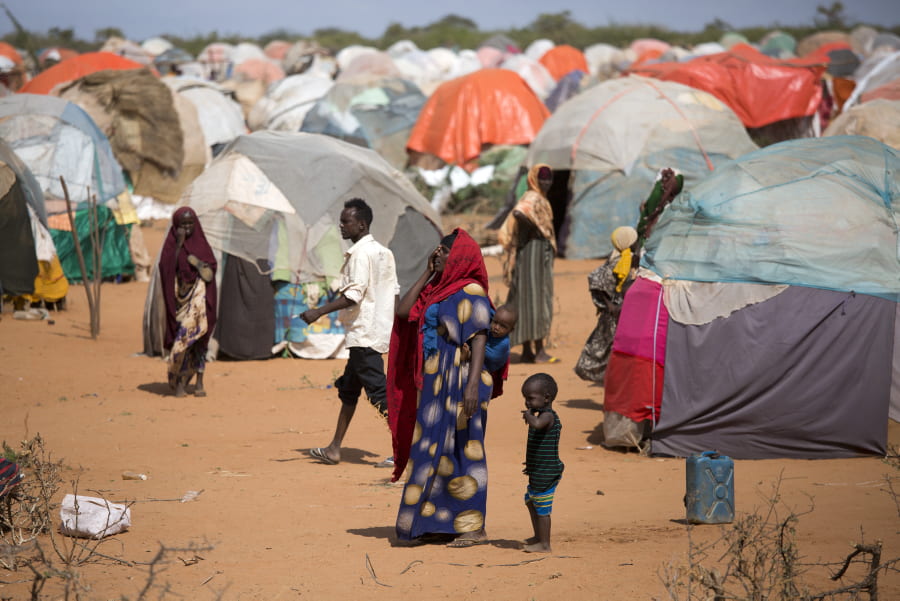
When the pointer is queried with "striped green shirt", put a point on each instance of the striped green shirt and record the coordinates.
(542, 463)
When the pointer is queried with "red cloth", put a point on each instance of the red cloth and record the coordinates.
(632, 386)
(465, 265)
(172, 267)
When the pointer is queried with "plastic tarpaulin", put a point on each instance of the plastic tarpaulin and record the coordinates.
(490, 106)
(821, 212)
(760, 89)
(116, 257)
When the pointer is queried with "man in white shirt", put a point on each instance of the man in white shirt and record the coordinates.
(368, 292)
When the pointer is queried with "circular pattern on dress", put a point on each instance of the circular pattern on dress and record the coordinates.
(479, 473)
(437, 384)
(486, 378)
(470, 520)
(432, 449)
(431, 413)
(427, 509)
(445, 466)
(474, 289)
(464, 310)
(405, 519)
(413, 493)
(432, 363)
(474, 450)
(481, 313)
(462, 487)
(417, 433)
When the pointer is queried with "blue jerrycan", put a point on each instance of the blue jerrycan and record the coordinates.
(709, 497)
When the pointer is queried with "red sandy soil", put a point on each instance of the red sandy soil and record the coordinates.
(283, 526)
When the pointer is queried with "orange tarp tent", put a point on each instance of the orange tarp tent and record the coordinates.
(10, 53)
(562, 60)
(759, 89)
(488, 106)
(76, 68)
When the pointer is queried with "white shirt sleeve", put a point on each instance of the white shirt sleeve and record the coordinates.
(356, 277)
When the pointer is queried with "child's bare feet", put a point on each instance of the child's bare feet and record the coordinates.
(531, 540)
(537, 547)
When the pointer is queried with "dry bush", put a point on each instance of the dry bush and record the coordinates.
(34, 552)
(25, 512)
(757, 559)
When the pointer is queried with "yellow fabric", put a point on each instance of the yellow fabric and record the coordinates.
(623, 268)
(50, 284)
(125, 212)
(537, 210)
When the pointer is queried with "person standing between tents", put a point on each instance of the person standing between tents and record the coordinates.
(529, 244)
(187, 269)
(368, 291)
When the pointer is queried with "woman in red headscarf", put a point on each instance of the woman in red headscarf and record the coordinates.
(438, 398)
(187, 269)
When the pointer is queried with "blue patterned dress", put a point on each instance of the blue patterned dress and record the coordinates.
(447, 487)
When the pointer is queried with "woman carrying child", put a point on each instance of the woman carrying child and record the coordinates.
(437, 401)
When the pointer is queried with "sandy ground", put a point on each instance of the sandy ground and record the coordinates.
(282, 526)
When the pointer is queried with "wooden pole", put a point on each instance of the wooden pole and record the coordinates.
(95, 331)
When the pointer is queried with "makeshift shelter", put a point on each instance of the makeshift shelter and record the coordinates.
(563, 59)
(127, 49)
(258, 69)
(760, 89)
(270, 205)
(220, 117)
(75, 68)
(55, 137)
(768, 324)
(534, 73)
(138, 114)
(377, 115)
(614, 138)
(21, 203)
(286, 103)
(879, 119)
(487, 107)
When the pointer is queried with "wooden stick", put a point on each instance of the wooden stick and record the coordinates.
(79, 253)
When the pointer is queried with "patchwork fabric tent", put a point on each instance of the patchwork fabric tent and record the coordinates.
(140, 116)
(379, 115)
(760, 89)
(767, 324)
(270, 205)
(616, 136)
(287, 102)
(55, 137)
(489, 106)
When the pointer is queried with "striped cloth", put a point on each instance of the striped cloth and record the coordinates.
(9, 476)
(542, 463)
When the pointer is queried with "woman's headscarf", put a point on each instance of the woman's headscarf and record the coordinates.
(464, 265)
(622, 238)
(172, 267)
(535, 206)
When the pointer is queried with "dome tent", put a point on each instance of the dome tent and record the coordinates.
(615, 137)
(270, 205)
